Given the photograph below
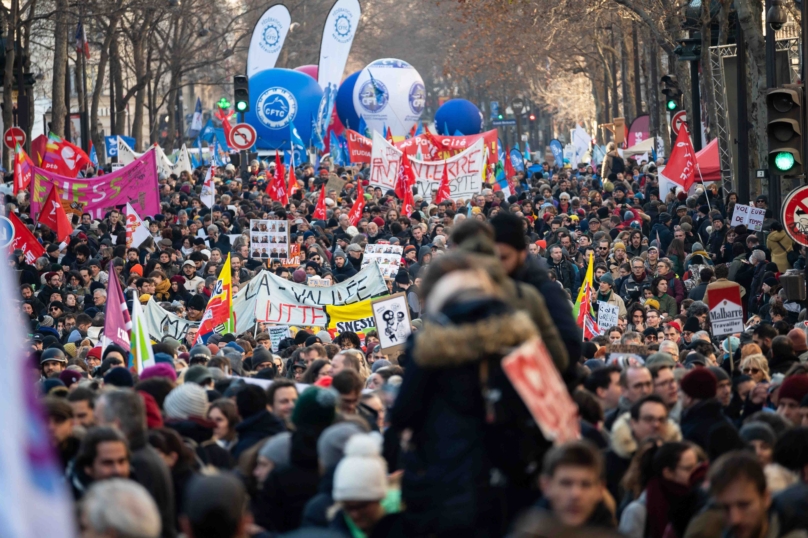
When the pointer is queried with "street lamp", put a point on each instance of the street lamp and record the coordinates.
(777, 15)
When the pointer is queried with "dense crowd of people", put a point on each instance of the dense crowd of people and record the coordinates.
(683, 434)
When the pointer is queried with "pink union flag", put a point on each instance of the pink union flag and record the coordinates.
(117, 321)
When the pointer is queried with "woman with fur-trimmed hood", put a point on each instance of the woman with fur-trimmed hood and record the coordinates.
(473, 451)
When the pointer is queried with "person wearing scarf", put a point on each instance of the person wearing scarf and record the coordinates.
(667, 304)
(669, 475)
(608, 296)
(162, 286)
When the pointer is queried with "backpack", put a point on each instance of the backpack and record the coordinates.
(695, 276)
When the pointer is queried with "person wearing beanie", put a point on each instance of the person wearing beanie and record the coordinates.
(341, 266)
(198, 375)
(185, 409)
(159, 370)
(761, 437)
(330, 450)
(799, 343)
(119, 377)
(691, 327)
(662, 229)
(275, 452)
(257, 422)
(791, 393)
(287, 489)
(360, 483)
(723, 388)
(607, 295)
(299, 276)
(701, 410)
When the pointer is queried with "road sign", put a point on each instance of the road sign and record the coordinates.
(678, 119)
(494, 109)
(242, 137)
(503, 123)
(6, 232)
(518, 104)
(14, 136)
(794, 215)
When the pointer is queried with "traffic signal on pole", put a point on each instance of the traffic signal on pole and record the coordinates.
(672, 93)
(785, 129)
(241, 93)
(532, 117)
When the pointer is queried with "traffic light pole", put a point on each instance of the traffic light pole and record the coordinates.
(775, 192)
(695, 97)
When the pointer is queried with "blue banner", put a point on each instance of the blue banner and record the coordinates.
(558, 152)
(111, 144)
(516, 160)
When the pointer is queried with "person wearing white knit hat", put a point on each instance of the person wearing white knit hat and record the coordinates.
(186, 401)
(360, 483)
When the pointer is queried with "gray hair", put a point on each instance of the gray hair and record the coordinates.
(698, 308)
(124, 407)
(101, 292)
(123, 507)
(213, 228)
(757, 255)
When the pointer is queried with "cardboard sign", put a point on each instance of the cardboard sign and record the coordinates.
(335, 183)
(726, 312)
(532, 373)
(392, 315)
(607, 315)
(269, 239)
(387, 256)
(276, 334)
(749, 216)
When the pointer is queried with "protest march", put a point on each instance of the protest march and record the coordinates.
(356, 314)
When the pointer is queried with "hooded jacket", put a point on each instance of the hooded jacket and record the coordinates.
(780, 245)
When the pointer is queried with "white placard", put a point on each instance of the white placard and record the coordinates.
(269, 239)
(387, 256)
(607, 315)
(756, 216)
(751, 217)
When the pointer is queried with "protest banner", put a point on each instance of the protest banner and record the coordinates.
(392, 317)
(161, 323)
(384, 162)
(465, 174)
(726, 312)
(449, 146)
(276, 334)
(126, 155)
(135, 183)
(269, 239)
(751, 217)
(531, 371)
(359, 147)
(387, 256)
(607, 315)
(354, 317)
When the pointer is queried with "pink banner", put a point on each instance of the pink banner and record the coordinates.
(135, 183)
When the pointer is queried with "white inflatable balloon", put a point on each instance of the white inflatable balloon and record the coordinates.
(390, 93)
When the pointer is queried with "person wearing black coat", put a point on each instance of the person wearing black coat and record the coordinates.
(702, 411)
(253, 429)
(341, 266)
(458, 441)
(198, 433)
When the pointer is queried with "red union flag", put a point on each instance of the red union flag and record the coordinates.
(726, 312)
(532, 373)
(358, 207)
(681, 167)
(24, 240)
(359, 147)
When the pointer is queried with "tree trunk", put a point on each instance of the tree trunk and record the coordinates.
(749, 17)
(8, 76)
(635, 45)
(706, 71)
(116, 72)
(628, 112)
(99, 86)
(58, 109)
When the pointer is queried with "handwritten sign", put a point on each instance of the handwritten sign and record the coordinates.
(751, 217)
(607, 315)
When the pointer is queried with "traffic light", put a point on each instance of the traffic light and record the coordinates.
(785, 129)
(241, 93)
(532, 117)
(499, 116)
(673, 95)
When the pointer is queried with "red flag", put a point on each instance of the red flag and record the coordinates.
(406, 177)
(509, 171)
(681, 167)
(320, 211)
(293, 188)
(389, 135)
(225, 119)
(276, 187)
(23, 170)
(444, 193)
(359, 205)
(63, 157)
(413, 130)
(24, 240)
(53, 215)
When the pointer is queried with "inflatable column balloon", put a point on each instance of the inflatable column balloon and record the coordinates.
(390, 93)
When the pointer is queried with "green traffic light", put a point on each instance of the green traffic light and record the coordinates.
(784, 161)
(241, 106)
(499, 117)
(671, 104)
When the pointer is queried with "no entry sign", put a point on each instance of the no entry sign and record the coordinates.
(795, 215)
(678, 119)
(14, 136)
(242, 137)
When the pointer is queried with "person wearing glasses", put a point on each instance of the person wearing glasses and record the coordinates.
(757, 367)
(631, 289)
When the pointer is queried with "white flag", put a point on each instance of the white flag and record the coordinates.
(208, 194)
(136, 231)
(141, 343)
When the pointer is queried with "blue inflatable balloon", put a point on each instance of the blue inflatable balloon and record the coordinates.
(277, 98)
(459, 115)
(345, 107)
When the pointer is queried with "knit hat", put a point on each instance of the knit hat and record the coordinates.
(278, 448)
(159, 370)
(70, 349)
(69, 377)
(402, 277)
(164, 358)
(315, 407)
(301, 336)
(758, 431)
(331, 444)
(94, 353)
(299, 276)
(607, 278)
(185, 401)
(794, 387)
(660, 357)
(259, 356)
(379, 364)
(731, 344)
(154, 418)
(675, 325)
(770, 281)
(119, 377)
(652, 303)
(324, 336)
(697, 247)
(664, 217)
(362, 473)
(619, 245)
(700, 383)
(797, 337)
(720, 373)
(339, 253)
(692, 325)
